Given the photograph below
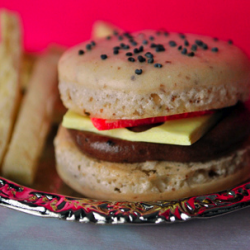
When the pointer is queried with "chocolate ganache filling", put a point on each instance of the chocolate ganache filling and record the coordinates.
(226, 136)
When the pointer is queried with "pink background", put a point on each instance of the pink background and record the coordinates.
(70, 22)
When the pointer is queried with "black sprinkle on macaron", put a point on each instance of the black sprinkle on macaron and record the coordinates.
(184, 51)
(138, 71)
(131, 59)
(158, 65)
(81, 52)
(194, 47)
(88, 46)
(141, 59)
(180, 47)
(191, 54)
(136, 51)
(134, 43)
(186, 43)
(204, 46)
(104, 56)
(182, 36)
(172, 43)
(151, 60)
(149, 55)
(129, 54)
(215, 49)
(199, 42)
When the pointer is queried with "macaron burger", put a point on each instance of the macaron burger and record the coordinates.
(153, 116)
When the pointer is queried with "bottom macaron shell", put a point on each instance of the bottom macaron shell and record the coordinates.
(147, 181)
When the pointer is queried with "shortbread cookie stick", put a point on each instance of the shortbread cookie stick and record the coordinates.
(10, 60)
(103, 29)
(33, 121)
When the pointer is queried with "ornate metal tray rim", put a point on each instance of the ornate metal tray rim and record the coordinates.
(85, 210)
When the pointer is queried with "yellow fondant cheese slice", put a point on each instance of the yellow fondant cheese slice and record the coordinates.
(179, 132)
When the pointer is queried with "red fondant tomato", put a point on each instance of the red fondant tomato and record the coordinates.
(105, 124)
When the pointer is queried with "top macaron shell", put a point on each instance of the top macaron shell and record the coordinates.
(182, 63)
(178, 70)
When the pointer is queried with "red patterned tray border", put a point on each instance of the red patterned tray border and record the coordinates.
(43, 204)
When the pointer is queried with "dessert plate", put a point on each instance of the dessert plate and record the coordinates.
(50, 197)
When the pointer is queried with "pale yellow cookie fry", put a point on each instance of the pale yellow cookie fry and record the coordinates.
(10, 59)
(103, 29)
(28, 61)
(33, 122)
